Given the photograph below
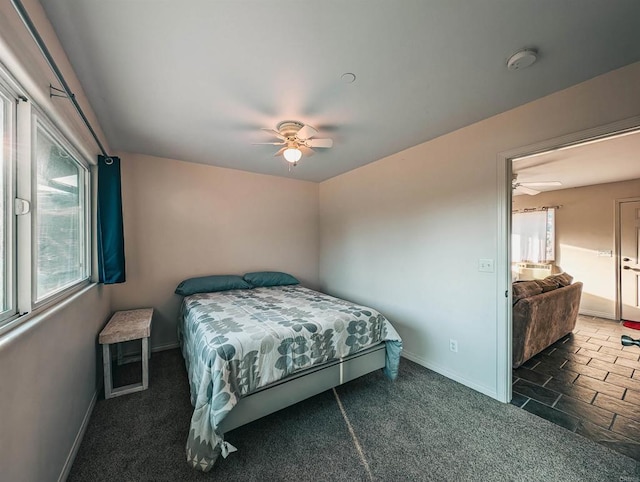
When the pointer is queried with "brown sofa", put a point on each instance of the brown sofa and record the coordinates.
(543, 312)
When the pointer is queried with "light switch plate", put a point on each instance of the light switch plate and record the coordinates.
(486, 265)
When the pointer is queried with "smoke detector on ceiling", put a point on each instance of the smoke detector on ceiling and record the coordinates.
(522, 59)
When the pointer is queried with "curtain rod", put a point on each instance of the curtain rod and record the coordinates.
(530, 210)
(18, 5)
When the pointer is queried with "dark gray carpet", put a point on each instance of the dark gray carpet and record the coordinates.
(421, 427)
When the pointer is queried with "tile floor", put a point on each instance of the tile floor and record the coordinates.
(588, 383)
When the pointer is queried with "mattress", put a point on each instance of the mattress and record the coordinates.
(236, 342)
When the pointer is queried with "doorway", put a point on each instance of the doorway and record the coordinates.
(505, 199)
(628, 230)
(585, 380)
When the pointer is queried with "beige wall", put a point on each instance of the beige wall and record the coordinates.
(48, 364)
(585, 225)
(183, 220)
(405, 233)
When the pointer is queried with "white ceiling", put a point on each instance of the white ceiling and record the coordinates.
(609, 160)
(196, 79)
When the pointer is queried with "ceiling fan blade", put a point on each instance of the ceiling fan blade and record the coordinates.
(541, 183)
(305, 132)
(526, 190)
(320, 142)
(279, 153)
(306, 152)
(268, 143)
(275, 133)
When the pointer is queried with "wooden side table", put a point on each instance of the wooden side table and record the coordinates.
(126, 326)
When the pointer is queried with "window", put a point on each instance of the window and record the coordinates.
(533, 236)
(59, 217)
(7, 111)
(44, 209)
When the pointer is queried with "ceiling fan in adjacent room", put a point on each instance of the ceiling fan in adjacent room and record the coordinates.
(527, 187)
(297, 139)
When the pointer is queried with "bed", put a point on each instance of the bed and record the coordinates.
(251, 352)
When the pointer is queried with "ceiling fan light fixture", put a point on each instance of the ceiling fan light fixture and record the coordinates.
(292, 154)
(296, 138)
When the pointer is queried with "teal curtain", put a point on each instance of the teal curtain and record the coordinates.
(111, 264)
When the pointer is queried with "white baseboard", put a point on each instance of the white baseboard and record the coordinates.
(85, 421)
(78, 440)
(599, 314)
(452, 375)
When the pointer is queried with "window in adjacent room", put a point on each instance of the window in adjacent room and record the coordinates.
(533, 236)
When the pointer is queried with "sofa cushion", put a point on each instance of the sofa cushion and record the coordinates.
(524, 289)
(548, 284)
(563, 279)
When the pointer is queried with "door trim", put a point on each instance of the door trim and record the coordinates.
(618, 248)
(504, 160)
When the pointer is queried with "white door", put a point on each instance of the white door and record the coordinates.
(630, 262)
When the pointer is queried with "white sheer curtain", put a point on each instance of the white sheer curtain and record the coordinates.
(533, 237)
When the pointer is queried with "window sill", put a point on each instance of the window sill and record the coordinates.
(21, 324)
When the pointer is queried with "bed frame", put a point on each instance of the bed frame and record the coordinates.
(303, 385)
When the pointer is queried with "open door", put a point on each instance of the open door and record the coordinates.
(629, 262)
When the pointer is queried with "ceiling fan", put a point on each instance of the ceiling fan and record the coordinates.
(296, 138)
(527, 187)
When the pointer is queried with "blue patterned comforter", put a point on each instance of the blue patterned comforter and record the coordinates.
(237, 341)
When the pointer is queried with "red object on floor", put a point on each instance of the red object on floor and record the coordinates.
(634, 325)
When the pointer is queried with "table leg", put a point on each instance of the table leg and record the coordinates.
(106, 359)
(145, 363)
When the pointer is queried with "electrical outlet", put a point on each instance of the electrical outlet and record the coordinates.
(453, 346)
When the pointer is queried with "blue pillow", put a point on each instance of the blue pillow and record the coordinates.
(269, 278)
(209, 284)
